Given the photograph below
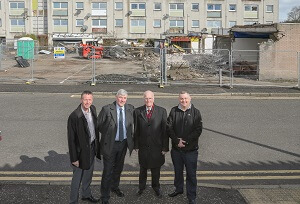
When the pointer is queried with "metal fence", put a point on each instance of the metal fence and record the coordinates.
(147, 65)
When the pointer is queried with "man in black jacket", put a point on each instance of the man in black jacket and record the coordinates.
(151, 141)
(83, 142)
(184, 128)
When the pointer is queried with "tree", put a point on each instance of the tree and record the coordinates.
(294, 15)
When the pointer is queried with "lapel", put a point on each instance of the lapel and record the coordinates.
(85, 124)
(113, 112)
(154, 112)
(144, 113)
(127, 114)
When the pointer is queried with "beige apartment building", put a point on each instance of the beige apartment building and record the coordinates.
(128, 19)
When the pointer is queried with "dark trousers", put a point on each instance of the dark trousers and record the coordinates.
(189, 160)
(155, 175)
(83, 177)
(113, 167)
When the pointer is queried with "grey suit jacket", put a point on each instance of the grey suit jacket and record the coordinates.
(107, 125)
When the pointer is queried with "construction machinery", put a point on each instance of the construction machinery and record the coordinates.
(90, 49)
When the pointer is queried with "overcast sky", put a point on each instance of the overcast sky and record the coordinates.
(285, 6)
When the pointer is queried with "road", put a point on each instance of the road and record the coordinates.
(245, 141)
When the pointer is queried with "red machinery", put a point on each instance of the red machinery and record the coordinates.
(90, 50)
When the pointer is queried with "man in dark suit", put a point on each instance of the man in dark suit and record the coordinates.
(83, 142)
(184, 129)
(151, 141)
(115, 123)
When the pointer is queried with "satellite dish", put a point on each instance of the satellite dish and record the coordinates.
(83, 28)
(87, 16)
(77, 12)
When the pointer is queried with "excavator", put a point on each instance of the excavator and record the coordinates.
(90, 49)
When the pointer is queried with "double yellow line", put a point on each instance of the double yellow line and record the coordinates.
(165, 175)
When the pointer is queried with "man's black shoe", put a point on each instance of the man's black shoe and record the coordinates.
(140, 192)
(91, 199)
(118, 192)
(158, 193)
(175, 193)
(192, 201)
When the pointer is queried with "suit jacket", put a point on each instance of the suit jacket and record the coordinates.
(150, 136)
(79, 137)
(108, 124)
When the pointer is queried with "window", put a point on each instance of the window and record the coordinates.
(0, 5)
(60, 22)
(0, 21)
(232, 7)
(250, 22)
(269, 8)
(195, 23)
(214, 7)
(79, 5)
(79, 22)
(119, 6)
(231, 23)
(138, 9)
(157, 6)
(138, 26)
(17, 5)
(176, 10)
(251, 11)
(251, 7)
(156, 23)
(17, 22)
(214, 10)
(176, 23)
(119, 23)
(141, 6)
(176, 6)
(99, 8)
(60, 5)
(214, 24)
(60, 8)
(195, 7)
(138, 22)
(99, 23)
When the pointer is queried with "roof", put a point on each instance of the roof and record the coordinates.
(253, 31)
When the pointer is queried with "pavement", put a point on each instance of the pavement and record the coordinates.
(20, 192)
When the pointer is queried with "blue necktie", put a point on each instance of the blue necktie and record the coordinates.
(121, 129)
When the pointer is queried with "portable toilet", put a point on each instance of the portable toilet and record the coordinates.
(25, 48)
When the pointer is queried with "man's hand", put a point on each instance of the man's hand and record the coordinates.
(163, 152)
(75, 163)
(181, 143)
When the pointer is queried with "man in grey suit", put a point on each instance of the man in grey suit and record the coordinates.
(83, 142)
(115, 123)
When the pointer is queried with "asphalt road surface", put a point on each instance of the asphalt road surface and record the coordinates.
(245, 141)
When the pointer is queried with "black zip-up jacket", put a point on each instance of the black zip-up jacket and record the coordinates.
(186, 125)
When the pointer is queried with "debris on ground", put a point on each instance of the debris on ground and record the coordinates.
(44, 52)
(123, 78)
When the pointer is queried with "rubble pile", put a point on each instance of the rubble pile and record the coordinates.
(122, 78)
(176, 60)
(206, 63)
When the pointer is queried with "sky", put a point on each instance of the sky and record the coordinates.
(285, 6)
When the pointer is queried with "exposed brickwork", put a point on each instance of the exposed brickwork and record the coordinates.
(278, 60)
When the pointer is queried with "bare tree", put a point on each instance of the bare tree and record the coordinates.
(294, 15)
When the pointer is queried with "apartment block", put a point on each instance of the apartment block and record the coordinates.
(129, 19)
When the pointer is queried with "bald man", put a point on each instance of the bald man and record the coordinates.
(151, 141)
